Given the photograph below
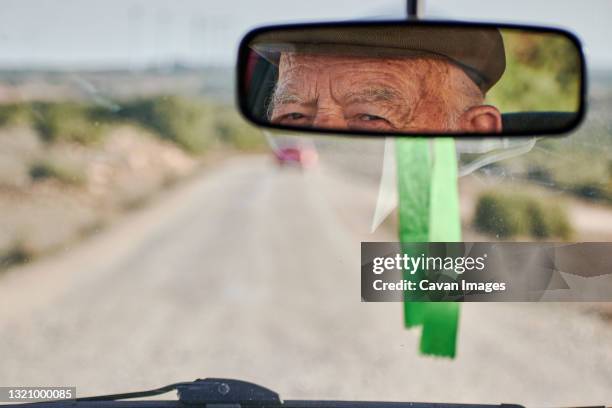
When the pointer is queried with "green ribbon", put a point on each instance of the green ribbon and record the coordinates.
(429, 212)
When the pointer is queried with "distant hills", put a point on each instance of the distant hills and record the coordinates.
(22, 85)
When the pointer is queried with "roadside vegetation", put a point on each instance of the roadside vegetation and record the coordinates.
(536, 78)
(194, 125)
(578, 165)
(68, 167)
(581, 165)
(508, 214)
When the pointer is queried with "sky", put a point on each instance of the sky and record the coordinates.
(77, 34)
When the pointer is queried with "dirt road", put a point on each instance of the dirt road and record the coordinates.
(251, 272)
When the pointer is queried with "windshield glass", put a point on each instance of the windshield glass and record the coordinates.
(150, 235)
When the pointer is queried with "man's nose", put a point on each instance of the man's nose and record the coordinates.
(329, 120)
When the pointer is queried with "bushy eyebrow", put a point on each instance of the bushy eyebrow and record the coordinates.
(372, 94)
(285, 97)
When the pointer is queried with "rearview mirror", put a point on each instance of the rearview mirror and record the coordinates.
(412, 78)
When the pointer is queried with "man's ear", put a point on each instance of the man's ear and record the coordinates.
(481, 119)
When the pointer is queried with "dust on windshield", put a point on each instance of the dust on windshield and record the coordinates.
(150, 235)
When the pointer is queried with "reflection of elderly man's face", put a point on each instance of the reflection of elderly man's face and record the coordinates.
(424, 94)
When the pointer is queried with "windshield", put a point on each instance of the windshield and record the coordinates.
(149, 234)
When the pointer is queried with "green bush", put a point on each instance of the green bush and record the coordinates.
(187, 123)
(232, 130)
(559, 224)
(63, 172)
(65, 121)
(500, 215)
(55, 121)
(13, 113)
(507, 215)
(192, 124)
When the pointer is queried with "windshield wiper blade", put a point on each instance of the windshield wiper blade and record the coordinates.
(205, 391)
(227, 393)
(131, 395)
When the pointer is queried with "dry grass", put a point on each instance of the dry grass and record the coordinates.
(59, 193)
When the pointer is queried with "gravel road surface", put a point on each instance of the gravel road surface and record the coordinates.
(252, 272)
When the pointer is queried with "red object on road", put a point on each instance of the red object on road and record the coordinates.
(301, 156)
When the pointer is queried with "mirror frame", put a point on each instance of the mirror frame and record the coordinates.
(244, 50)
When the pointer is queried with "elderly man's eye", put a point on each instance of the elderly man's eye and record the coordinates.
(369, 118)
(292, 117)
(367, 121)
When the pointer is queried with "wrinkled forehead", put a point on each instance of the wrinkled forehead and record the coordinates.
(356, 78)
(289, 60)
(410, 73)
(305, 70)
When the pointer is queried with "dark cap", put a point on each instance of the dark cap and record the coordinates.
(479, 51)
